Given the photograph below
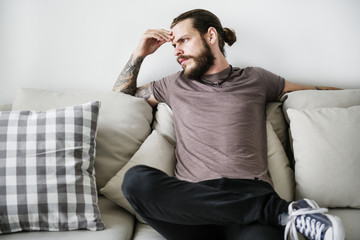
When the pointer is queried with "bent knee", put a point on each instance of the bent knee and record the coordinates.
(137, 180)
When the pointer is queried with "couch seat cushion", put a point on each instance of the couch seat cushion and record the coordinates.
(119, 225)
(145, 232)
(350, 219)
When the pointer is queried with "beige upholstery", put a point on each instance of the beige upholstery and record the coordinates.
(145, 232)
(118, 222)
(307, 103)
(351, 220)
(155, 152)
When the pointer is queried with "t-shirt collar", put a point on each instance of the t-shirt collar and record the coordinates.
(217, 77)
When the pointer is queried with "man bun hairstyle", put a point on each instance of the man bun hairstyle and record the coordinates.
(229, 36)
(203, 20)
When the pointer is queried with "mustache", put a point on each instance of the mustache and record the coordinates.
(183, 57)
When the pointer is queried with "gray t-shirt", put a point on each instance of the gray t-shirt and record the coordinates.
(221, 132)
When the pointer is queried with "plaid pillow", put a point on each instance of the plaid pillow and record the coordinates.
(46, 170)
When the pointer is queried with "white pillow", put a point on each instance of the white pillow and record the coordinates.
(124, 123)
(327, 154)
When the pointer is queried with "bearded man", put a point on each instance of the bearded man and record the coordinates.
(222, 188)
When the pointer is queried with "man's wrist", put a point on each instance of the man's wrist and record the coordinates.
(138, 55)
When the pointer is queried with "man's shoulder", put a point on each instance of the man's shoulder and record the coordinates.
(166, 82)
(262, 72)
(173, 76)
(250, 71)
(255, 69)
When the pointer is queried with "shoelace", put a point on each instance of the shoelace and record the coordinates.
(307, 226)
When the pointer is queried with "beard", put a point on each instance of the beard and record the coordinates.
(203, 62)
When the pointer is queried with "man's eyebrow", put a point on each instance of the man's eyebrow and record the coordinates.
(182, 37)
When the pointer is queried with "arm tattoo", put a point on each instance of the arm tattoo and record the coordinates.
(126, 81)
(144, 92)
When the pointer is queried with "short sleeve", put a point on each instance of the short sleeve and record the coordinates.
(163, 88)
(274, 84)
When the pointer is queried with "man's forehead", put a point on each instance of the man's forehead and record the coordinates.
(183, 28)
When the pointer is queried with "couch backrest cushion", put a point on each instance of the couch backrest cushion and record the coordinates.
(309, 99)
(124, 123)
(5, 107)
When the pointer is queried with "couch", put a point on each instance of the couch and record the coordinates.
(313, 151)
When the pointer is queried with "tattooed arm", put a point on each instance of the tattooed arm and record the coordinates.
(127, 80)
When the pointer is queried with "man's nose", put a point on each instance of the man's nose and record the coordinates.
(178, 51)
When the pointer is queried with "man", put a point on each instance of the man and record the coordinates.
(223, 188)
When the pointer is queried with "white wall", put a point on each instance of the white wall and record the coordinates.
(83, 44)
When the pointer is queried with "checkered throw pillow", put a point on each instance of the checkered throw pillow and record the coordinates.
(46, 170)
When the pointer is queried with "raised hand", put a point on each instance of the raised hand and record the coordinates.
(151, 40)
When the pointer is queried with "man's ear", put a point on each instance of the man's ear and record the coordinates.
(212, 35)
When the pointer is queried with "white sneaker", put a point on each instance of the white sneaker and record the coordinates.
(308, 219)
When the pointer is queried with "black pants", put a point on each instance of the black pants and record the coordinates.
(218, 209)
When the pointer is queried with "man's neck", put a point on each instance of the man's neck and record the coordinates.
(220, 64)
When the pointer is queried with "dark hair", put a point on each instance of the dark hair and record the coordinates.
(202, 20)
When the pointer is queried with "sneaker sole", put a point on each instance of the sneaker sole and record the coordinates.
(338, 231)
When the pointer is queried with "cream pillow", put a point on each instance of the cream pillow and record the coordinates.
(123, 124)
(164, 123)
(155, 152)
(279, 166)
(275, 116)
(327, 154)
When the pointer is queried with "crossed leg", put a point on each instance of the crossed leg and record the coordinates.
(206, 210)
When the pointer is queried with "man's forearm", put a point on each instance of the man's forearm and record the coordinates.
(126, 81)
